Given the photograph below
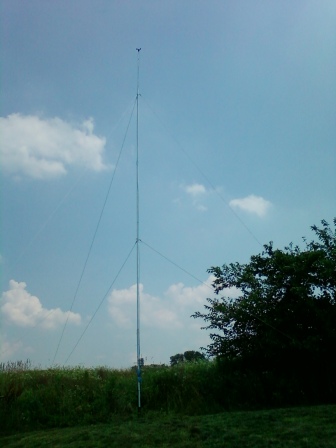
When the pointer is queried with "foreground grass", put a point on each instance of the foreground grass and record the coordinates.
(313, 427)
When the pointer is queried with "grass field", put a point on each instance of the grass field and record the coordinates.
(313, 427)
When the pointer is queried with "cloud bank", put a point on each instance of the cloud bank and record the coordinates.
(25, 310)
(172, 311)
(9, 348)
(44, 148)
(252, 204)
(121, 305)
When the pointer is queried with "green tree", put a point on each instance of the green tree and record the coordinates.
(193, 356)
(188, 356)
(176, 359)
(285, 316)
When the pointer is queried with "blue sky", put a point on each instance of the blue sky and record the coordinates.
(237, 147)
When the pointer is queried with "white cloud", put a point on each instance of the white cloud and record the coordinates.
(196, 192)
(171, 311)
(165, 320)
(186, 296)
(201, 208)
(25, 310)
(9, 348)
(195, 189)
(154, 313)
(189, 296)
(43, 148)
(252, 204)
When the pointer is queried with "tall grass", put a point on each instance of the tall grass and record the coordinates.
(62, 397)
(59, 397)
(32, 399)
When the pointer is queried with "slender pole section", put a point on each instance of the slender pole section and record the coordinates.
(137, 239)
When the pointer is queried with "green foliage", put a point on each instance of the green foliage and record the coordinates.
(52, 398)
(283, 324)
(181, 388)
(176, 359)
(63, 397)
(188, 356)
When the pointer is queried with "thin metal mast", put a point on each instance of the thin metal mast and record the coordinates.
(138, 239)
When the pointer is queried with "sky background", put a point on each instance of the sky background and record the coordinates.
(237, 147)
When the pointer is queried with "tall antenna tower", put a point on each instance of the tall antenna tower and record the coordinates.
(139, 360)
